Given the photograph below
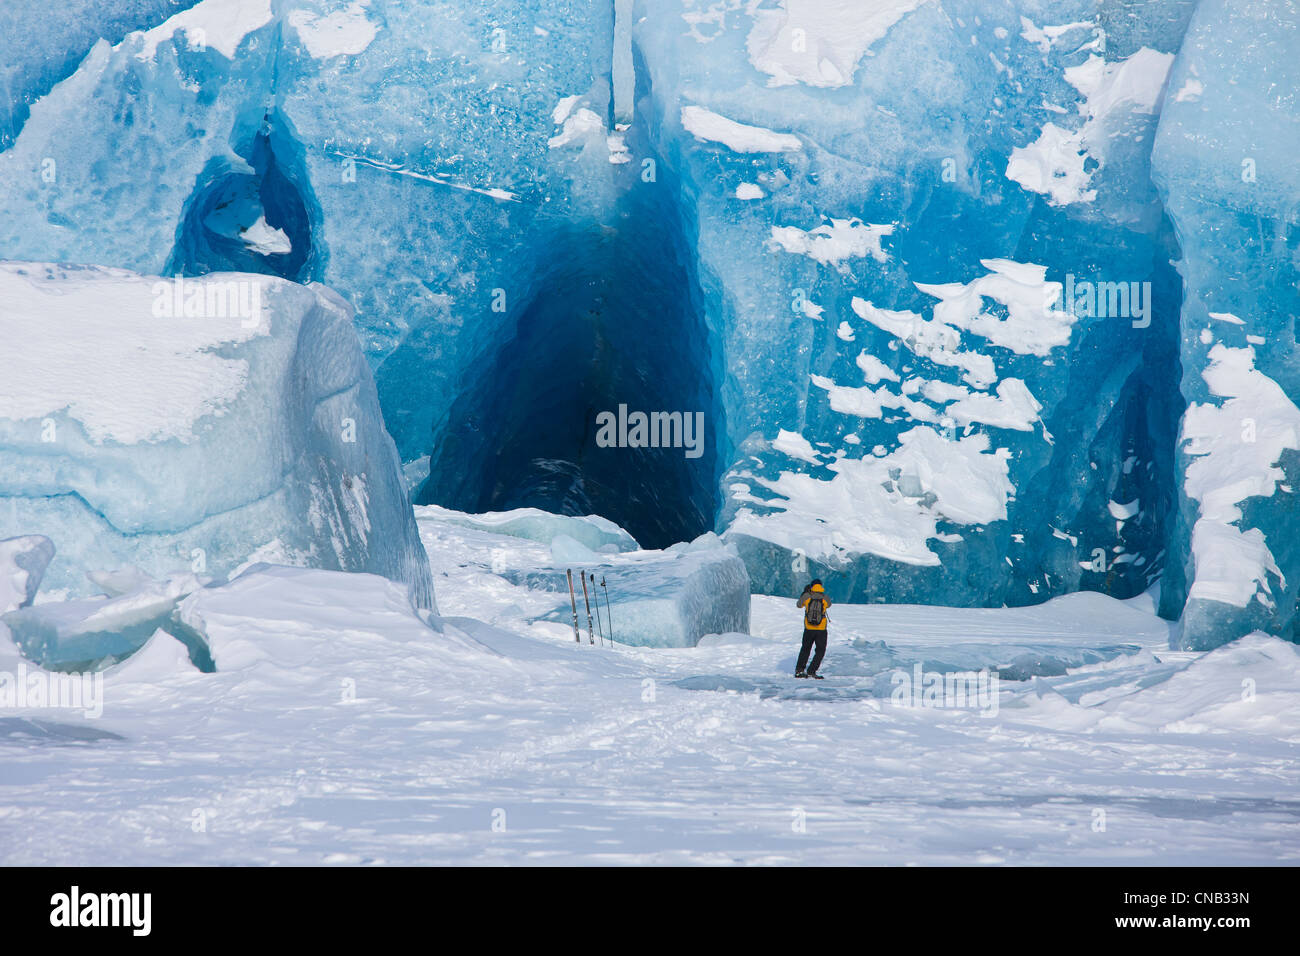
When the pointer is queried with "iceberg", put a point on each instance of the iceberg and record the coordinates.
(192, 426)
(670, 598)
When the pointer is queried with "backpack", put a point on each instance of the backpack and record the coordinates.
(816, 608)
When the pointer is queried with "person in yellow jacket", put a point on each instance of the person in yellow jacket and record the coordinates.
(814, 603)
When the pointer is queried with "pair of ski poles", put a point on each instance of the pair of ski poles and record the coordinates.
(573, 601)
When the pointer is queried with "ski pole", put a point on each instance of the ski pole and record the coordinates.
(608, 618)
(573, 601)
(600, 627)
(609, 627)
(596, 595)
(591, 638)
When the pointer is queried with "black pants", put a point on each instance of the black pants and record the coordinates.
(811, 637)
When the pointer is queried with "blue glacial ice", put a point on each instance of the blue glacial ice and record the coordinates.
(968, 294)
(1226, 162)
(167, 124)
(42, 44)
(169, 426)
(462, 183)
(922, 404)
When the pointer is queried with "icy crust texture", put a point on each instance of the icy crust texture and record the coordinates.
(134, 434)
(1226, 162)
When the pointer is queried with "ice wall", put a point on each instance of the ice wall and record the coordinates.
(425, 131)
(904, 216)
(1226, 161)
(909, 260)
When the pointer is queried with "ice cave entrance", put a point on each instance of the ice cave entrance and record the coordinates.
(612, 327)
(247, 219)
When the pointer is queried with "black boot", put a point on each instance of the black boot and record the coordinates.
(800, 674)
(815, 676)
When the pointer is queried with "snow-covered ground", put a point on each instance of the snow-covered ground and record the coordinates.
(339, 729)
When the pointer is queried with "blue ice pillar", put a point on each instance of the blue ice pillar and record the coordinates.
(1226, 162)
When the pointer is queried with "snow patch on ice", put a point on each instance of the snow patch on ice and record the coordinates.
(1055, 164)
(796, 446)
(1190, 91)
(889, 506)
(930, 339)
(820, 42)
(218, 24)
(265, 239)
(1048, 36)
(833, 242)
(345, 32)
(1235, 448)
(866, 402)
(711, 127)
(578, 125)
(1014, 406)
(874, 370)
(92, 348)
(1032, 324)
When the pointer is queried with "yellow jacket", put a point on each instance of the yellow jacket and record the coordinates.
(817, 592)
